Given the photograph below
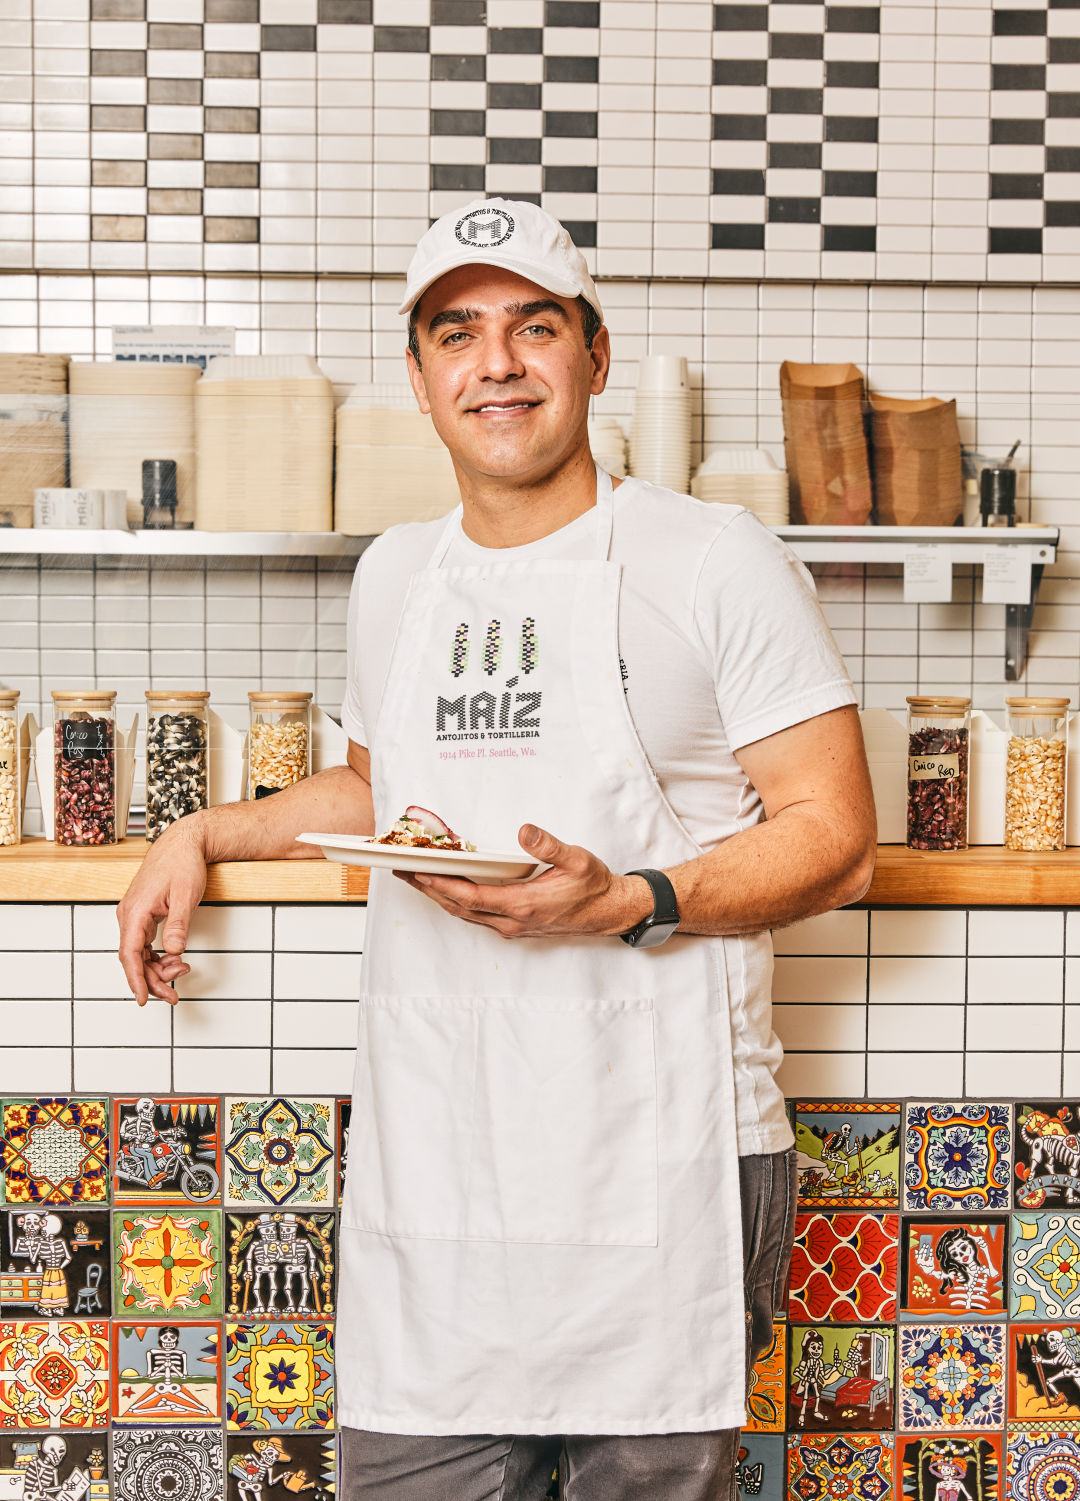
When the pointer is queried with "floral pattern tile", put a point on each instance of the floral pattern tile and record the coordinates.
(168, 1264)
(760, 1467)
(957, 1156)
(952, 1376)
(1042, 1466)
(949, 1464)
(54, 1373)
(168, 1464)
(765, 1394)
(840, 1377)
(843, 1267)
(1044, 1372)
(56, 1151)
(1044, 1266)
(858, 1466)
(166, 1373)
(848, 1154)
(954, 1268)
(279, 1375)
(279, 1151)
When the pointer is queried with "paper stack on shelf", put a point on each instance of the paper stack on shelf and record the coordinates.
(608, 444)
(33, 431)
(391, 463)
(265, 439)
(123, 413)
(828, 459)
(746, 477)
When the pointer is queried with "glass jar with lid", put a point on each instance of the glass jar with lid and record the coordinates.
(939, 730)
(279, 741)
(177, 756)
(10, 789)
(1035, 770)
(84, 747)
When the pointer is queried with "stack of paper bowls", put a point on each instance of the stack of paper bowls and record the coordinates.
(391, 463)
(745, 477)
(265, 440)
(122, 412)
(660, 431)
(33, 431)
(608, 445)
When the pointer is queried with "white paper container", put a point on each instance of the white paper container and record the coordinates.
(885, 736)
(226, 761)
(81, 509)
(987, 750)
(44, 770)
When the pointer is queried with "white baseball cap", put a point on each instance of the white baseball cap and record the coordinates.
(501, 232)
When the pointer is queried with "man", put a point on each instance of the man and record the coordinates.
(570, 1189)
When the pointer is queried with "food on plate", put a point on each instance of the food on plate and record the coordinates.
(421, 829)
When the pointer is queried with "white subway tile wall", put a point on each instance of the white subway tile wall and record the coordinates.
(866, 1003)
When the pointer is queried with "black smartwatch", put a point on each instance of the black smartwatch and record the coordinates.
(664, 918)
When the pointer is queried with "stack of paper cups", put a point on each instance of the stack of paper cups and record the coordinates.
(660, 431)
(608, 445)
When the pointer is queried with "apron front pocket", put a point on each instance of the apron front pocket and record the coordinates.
(505, 1120)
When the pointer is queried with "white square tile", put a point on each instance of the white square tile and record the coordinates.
(211, 1070)
(325, 930)
(900, 1074)
(330, 1024)
(842, 932)
(36, 927)
(1005, 932)
(39, 1070)
(321, 977)
(915, 1028)
(123, 1070)
(1012, 982)
(222, 1024)
(1013, 1075)
(927, 932)
(26, 975)
(300, 1070)
(917, 981)
(817, 1075)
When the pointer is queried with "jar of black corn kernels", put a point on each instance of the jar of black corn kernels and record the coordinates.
(177, 757)
(939, 731)
(84, 745)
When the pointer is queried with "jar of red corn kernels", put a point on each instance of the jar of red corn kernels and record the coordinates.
(937, 802)
(84, 747)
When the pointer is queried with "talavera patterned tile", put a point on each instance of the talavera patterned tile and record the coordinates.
(1044, 1373)
(1047, 1172)
(847, 1464)
(279, 1375)
(164, 1464)
(280, 1264)
(56, 1151)
(167, 1263)
(760, 1467)
(279, 1151)
(167, 1373)
(765, 1395)
(957, 1156)
(848, 1154)
(843, 1267)
(952, 1375)
(54, 1374)
(1044, 1271)
(1042, 1466)
(840, 1377)
(954, 1267)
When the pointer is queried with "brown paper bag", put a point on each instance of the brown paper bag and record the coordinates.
(918, 478)
(825, 443)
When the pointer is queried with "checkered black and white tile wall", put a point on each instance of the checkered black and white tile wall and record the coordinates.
(675, 137)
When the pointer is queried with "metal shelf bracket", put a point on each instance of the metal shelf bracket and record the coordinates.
(1018, 620)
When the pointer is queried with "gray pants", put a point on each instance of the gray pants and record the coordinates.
(652, 1467)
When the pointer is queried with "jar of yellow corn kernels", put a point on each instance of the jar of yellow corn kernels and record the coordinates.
(279, 741)
(1035, 773)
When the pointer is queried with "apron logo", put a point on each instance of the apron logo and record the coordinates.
(511, 714)
(484, 228)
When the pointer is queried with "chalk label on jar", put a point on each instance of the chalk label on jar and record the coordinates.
(933, 768)
(85, 739)
(265, 792)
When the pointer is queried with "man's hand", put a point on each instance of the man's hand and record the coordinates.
(578, 895)
(167, 888)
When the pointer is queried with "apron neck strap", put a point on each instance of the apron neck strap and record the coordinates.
(605, 510)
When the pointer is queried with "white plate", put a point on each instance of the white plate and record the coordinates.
(474, 865)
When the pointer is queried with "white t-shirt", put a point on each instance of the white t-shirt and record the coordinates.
(722, 643)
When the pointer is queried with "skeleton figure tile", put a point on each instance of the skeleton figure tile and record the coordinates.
(281, 1265)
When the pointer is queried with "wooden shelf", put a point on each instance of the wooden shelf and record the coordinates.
(984, 876)
(39, 871)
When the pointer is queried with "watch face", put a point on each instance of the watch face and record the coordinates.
(655, 933)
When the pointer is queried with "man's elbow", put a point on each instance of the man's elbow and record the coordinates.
(860, 867)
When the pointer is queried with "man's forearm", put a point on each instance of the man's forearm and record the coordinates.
(336, 801)
(788, 868)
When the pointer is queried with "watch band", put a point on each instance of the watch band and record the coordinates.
(664, 918)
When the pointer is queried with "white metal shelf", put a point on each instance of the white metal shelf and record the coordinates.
(1012, 558)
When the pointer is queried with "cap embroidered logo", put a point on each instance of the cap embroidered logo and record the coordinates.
(484, 228)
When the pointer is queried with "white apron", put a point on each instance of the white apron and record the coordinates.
(541, 1228)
